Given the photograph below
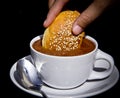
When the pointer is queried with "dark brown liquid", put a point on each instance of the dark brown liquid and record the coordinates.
(86, 47)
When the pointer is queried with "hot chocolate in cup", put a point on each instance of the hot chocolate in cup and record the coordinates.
(70, 71)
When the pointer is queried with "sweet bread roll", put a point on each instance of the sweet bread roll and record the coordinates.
(59, 37)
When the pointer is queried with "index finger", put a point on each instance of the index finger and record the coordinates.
(54, 11)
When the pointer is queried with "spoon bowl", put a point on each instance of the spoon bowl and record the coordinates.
(28, 76)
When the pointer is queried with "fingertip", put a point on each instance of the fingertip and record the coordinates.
(77, 29)
(45, 23)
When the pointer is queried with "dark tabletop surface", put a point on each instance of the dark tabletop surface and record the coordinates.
(25, 21)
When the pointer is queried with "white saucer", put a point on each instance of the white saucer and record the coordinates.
(88, 89)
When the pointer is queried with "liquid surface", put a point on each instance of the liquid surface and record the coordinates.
(86, 47)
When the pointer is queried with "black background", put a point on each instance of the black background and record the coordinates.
(24, 20)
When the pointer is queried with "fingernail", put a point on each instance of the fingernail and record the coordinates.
(77, 30)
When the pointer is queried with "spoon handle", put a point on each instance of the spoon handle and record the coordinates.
(38, 89)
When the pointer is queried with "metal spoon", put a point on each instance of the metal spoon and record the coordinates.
(28, 76)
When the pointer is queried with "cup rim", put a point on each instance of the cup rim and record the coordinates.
(86, 36)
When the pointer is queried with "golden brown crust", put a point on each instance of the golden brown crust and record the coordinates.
(58, 36)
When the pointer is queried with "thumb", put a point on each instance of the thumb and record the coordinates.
(81, 23)
(86, 17)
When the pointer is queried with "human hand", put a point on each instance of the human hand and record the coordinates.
(86, 17)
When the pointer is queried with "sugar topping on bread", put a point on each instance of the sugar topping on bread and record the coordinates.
(59, 37)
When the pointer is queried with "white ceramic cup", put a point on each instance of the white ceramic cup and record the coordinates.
(65, 72)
